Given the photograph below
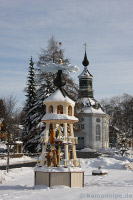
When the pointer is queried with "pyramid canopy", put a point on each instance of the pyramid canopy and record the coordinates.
(59, 96)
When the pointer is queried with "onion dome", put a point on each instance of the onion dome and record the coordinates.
(85, 62)
(85, 73)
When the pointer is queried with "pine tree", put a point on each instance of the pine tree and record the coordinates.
(29, 110)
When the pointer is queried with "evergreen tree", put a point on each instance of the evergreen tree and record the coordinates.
(122, 141)
(29, 110)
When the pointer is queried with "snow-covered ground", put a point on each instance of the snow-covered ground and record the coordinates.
(23, 159)
(118, 184)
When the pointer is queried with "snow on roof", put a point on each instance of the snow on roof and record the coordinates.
(92, 110)
(57, 96)
(54, 116)
(91, 106)
(85, 74)
(92, 101)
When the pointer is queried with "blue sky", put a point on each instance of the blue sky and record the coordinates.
(106, 26)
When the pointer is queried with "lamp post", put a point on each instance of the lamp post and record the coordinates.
(9, 141)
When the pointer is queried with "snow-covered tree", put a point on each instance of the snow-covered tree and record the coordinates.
(122, 141)
(53, 53)
(120, 109)
(29, 110)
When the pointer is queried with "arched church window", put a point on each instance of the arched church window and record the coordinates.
(70, 110)
(81, 119)
(98, 132)
(59, 109)
(82, 126)
(50, 109)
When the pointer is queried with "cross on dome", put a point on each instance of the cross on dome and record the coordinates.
(85, 44)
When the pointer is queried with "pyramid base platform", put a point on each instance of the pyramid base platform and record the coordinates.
(70, 179)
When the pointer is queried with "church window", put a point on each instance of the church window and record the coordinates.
(59, 109)
(83, 83)
(98, 120)
(87, 105)
(81, 119)
(90, 84)
(70, 110)
(98, 134)
(82, 126)
(86, 93)
(51, 109)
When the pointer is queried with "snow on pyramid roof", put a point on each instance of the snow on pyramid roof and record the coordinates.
(90, 105)
(58, 96)
(54, 116)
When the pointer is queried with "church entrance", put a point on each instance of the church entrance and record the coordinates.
(80, 143)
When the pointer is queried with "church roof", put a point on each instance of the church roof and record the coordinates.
(90, 105)
(59, 95)
(85, 74)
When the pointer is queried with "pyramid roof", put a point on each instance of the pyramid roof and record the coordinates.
(59, 95)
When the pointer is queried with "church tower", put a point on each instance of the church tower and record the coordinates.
(85, 80)
(93, 129)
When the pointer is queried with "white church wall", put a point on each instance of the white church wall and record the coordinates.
(97, 144)
(107, 133)
(88, 134)
(87, 130)
(103, 133)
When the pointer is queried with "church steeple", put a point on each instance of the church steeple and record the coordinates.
(85, 80)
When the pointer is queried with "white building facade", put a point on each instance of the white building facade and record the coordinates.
(93, 128)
